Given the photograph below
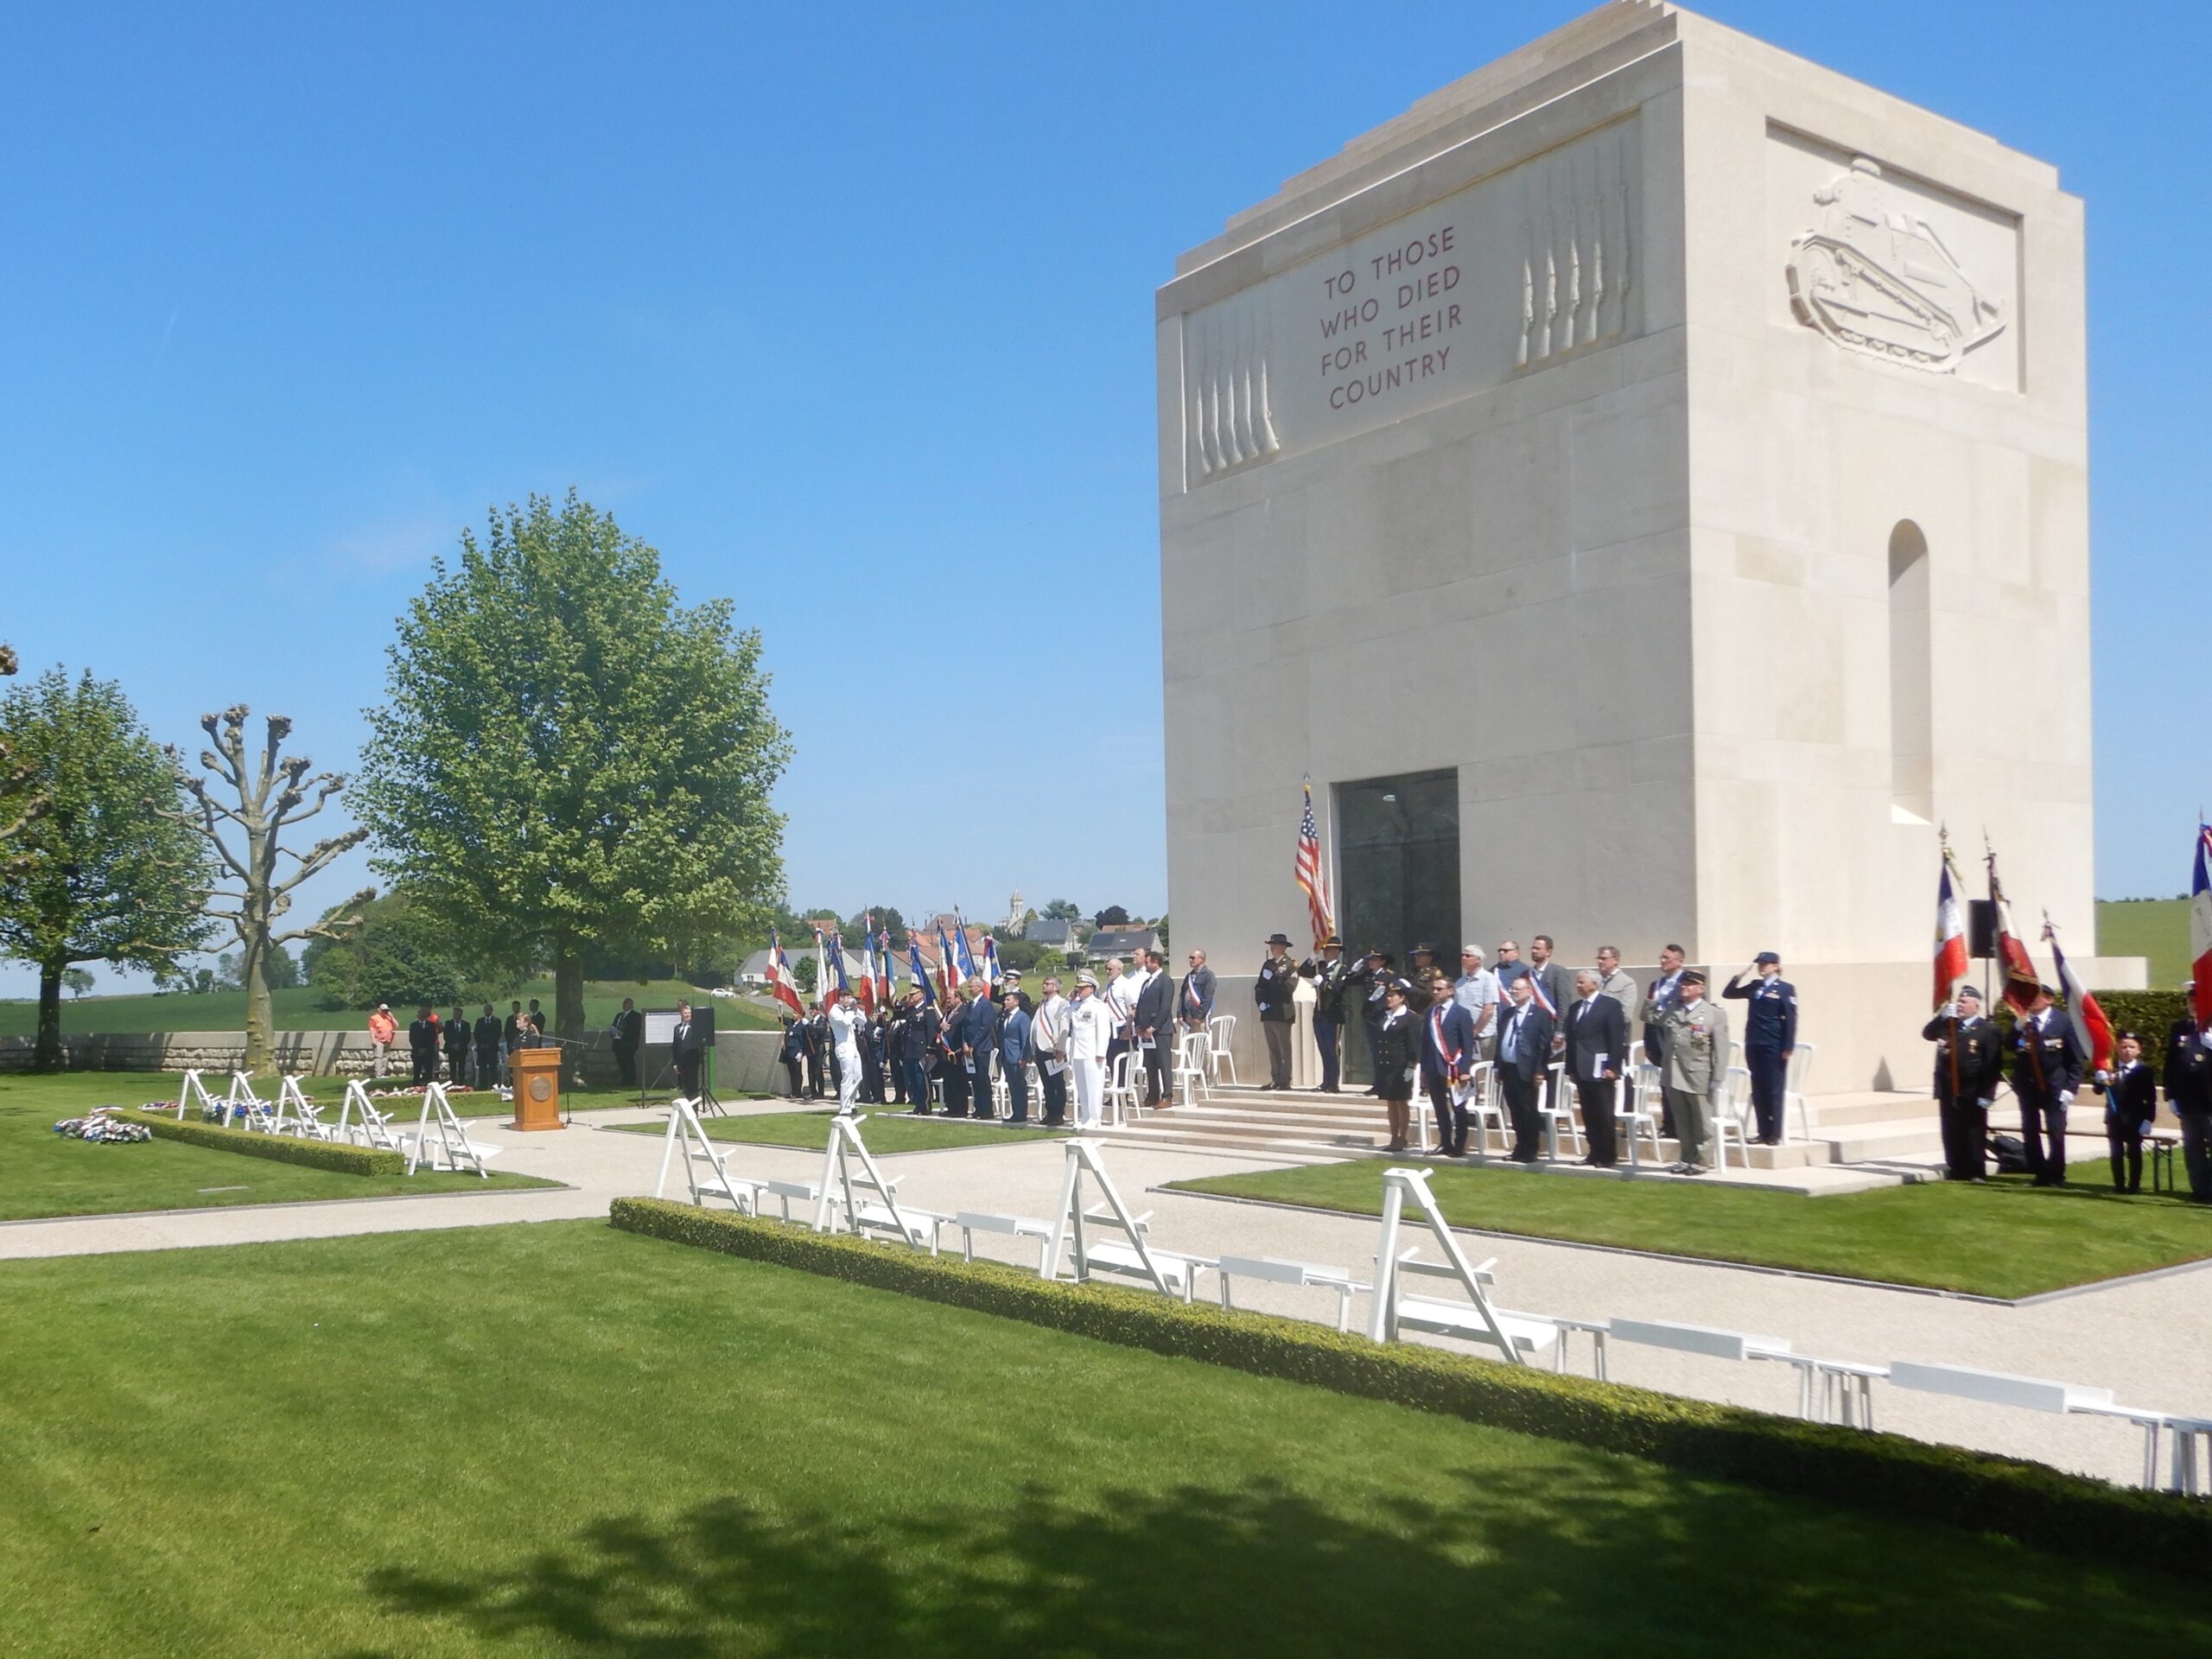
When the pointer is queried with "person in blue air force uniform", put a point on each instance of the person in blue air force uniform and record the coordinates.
(1769, 1038)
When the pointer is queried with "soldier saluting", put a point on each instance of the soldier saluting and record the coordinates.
(1326, 968)
(1969, 1064)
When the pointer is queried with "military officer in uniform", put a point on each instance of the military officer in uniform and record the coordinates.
(2188, 1081)
(1420, 978)
(1969, 1064)
(1272, 991)
(1326, 968)
(1370, 981)
(2047, 1064)
(1769, 1038)
(1694, 1069)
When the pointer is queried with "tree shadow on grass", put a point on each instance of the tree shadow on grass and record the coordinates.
(1607, 1558)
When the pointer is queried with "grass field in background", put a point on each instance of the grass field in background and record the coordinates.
(300, 1010)
(2005, 1239)
(652, 1450)
(2156, 928)
(43, 1174)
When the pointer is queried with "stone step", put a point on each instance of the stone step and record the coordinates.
(1829, 1110)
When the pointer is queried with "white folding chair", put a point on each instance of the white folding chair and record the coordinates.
(1485, 1108)
(1557, 1112)
(972, 1221)
(1277, 1271)
(1220, 1037)
(360, 1123)
(1470, 1317)
(1188, 1075)
(1735, 1109)
(1121, 1098)
(1638, 1112)
(1076, 1228)
(1793, 1089)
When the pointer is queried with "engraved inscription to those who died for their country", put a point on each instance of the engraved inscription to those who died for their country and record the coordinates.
(1389, 321)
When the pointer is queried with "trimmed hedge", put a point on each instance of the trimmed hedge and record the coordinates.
(1887, 1474)
(284, 1148)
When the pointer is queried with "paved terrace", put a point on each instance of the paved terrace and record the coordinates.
(2149, 1338)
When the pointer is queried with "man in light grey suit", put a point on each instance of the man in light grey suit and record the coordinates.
(1694, 1069)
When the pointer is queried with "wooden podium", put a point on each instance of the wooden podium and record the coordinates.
(538, 1087)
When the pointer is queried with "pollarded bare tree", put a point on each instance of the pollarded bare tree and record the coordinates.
(271, 791)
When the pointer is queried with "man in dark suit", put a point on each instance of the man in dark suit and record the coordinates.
(1552, 978)
(487, 1049)
(1448, 1055)
(422, 1046)
(536, 1017)
(689, 1050)
(2047, 1065)
(1596, 1053)
(2188, 1082)
(1524, 1054)
(628, 1029)
(817, 1026)
(1154, 1019)
(1272, 991)
(1326, 968)
(1969, 1064)
(977, 1025)
(1769, 1038)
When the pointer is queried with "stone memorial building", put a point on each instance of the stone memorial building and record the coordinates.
(1645, 487)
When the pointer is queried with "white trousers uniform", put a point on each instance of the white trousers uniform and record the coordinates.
(1090, 1077)
(849, 1075)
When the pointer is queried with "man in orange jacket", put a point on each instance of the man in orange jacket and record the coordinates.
(383, 1029)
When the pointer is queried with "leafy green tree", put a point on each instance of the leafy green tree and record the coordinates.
(567, 755)
(76, 981)
(398, 951)
(98, 873)
(271, 794)
(1062, 910)
(886, 917)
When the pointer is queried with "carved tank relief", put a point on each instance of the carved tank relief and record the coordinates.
(1878, 278)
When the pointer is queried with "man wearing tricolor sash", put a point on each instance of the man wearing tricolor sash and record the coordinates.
(1448, 1061)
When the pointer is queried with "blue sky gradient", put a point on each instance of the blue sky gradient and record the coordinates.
(849, 312)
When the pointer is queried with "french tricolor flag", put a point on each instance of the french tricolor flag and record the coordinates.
(1952, 963)
(2200, 929)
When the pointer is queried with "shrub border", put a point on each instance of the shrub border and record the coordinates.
(284, 1148)
(1883, 1473)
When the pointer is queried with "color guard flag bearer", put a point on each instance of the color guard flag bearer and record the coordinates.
(781, 983)
(2091, 1029)
(1309, 870)
(2200, 929)
(1952, 964)
(917, 974)
(2021, 979)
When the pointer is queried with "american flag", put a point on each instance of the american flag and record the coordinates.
(1311, 879)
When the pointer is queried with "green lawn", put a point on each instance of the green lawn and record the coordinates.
(43, 1174)
(2156, 928)
(889, 1131)
(301, 1010)
(2005, 1239)
(609, 1446)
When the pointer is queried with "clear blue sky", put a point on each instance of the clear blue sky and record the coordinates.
(849, 313)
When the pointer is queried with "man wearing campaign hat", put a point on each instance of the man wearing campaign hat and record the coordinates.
(1272, 991)
(1769, 1038)
(1326, 968)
